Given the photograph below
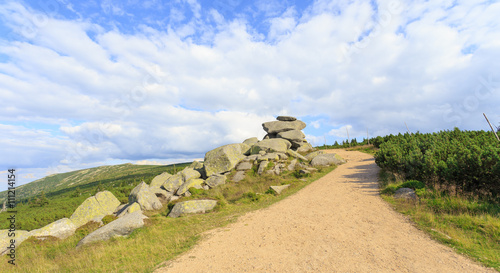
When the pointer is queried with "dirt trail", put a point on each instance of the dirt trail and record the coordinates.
(336, 224)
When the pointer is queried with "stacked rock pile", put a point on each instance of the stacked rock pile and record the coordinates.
(289, 128)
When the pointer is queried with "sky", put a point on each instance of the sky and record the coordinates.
(90, 83)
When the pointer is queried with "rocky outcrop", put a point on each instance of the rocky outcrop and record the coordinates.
(327, 160)
(95, 207)
(312, 155)
(61, 229)
(293, 153)
(192, 206)
(118, 228)
(189, 173)
(225, 158)
(145, 197)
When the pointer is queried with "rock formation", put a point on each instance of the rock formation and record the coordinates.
(95, 208)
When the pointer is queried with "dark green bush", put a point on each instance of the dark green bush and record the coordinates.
(412, 184)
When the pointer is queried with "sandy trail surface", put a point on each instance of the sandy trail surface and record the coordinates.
(339, 223)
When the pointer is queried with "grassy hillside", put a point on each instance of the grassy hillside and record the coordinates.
(54, 197)
(65, 182)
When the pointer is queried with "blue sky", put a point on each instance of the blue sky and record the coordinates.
(89, 83)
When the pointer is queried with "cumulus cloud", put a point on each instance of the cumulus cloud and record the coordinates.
(194, 77)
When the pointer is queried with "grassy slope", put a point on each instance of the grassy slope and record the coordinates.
(163, 238)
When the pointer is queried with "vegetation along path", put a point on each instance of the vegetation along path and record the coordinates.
(337, 224)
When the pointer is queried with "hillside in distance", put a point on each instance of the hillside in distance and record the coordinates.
(66, 182)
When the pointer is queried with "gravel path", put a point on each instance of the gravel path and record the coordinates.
(336, 224)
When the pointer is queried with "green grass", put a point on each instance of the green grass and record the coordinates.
(162, 238)
(368, 149)
(471, 227)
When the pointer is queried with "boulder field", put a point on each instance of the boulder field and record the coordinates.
(284, 148)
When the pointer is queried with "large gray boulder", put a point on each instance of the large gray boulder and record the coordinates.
(192, 206)
(118, 228)
(216, 180)
(173, 182)
(271, 145)
(95, 207)
(274, 127)
(327, 160)
(292, 135)
(145, 197)
(62, 229)
(159, 180)
(224, 158)
(251, 141)
(189, 173)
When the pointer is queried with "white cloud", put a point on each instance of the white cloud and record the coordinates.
(160, 94)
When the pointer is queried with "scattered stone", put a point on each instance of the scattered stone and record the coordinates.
(192, 206)
(274, 127)
(195, 165)
(224, 158)
(244, 166)
(279, 189)
(62, 229)
(216, 180)
(205, 187)
(327, 160)
(173, 183)
(286, 118)
(102, 204)
(159, 180)
(291, 167)
(282, 156)
(262, 166)
(250, 141)
(271, 145)
(312, 155)
(304, 171)
(118, 228)
(405, 193)
(146, 198)
(191, 183)
(175, 197)
(240, 175)
(311, 169)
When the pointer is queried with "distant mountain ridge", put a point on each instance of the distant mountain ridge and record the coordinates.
(70, 180)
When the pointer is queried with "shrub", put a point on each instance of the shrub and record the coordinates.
(412, 184)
